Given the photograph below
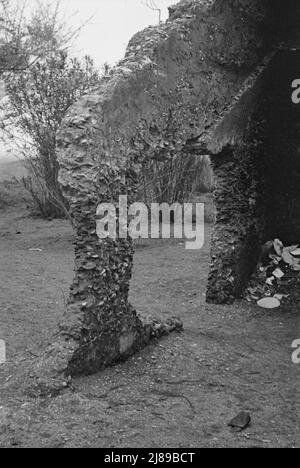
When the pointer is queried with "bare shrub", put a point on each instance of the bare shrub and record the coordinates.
(178, 179)
(38, 100)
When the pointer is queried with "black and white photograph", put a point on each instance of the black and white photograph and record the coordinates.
(149, 226)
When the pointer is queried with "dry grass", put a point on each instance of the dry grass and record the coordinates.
(12, 193)
(10, 169)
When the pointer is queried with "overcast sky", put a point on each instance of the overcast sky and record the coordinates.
(114, 22)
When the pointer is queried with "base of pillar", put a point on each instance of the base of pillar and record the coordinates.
(66, 358)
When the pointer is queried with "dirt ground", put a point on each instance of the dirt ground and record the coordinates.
(178, 392)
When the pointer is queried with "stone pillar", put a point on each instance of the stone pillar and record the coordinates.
(235, 240)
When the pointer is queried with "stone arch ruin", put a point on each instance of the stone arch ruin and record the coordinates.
(201, 82)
